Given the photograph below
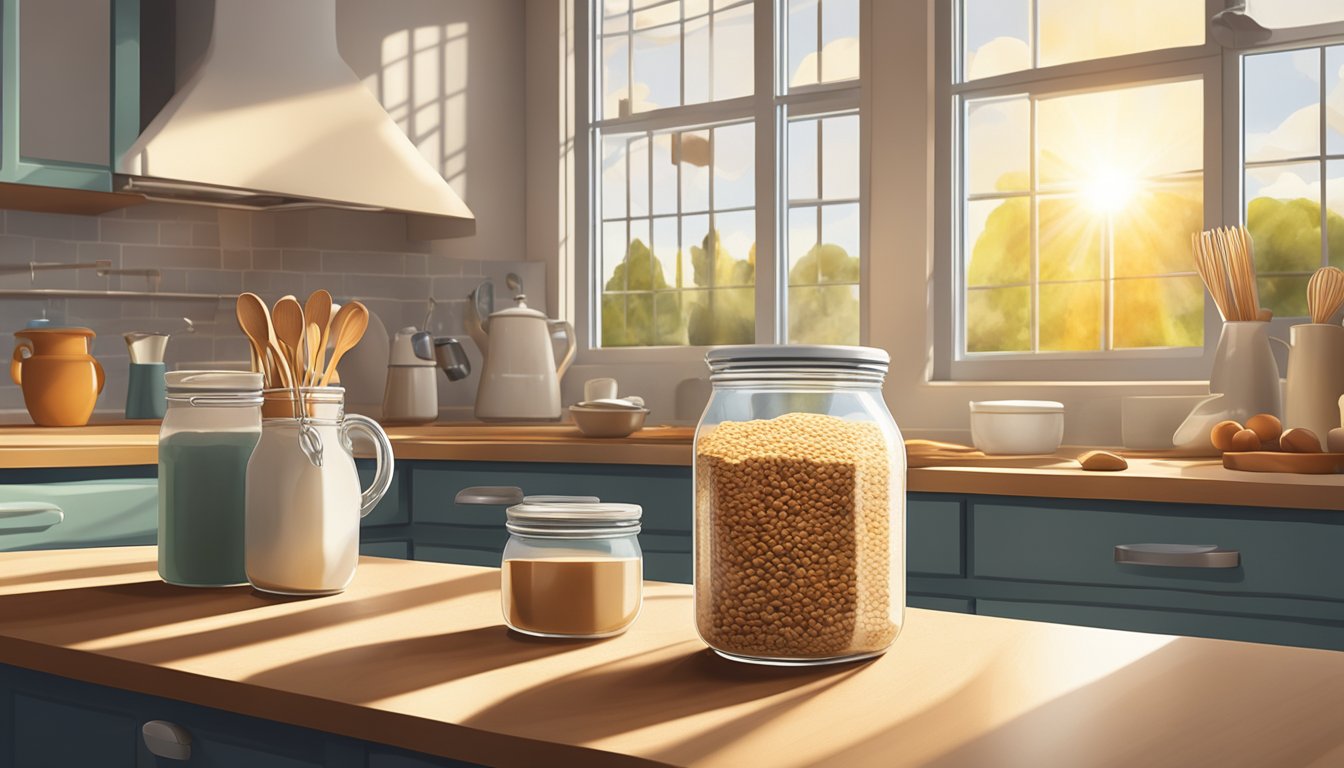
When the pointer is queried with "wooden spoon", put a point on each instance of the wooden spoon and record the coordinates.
(256, 323)
(288, 319)
(317, 313)
(349, 326)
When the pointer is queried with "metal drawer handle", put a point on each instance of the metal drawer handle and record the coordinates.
(167, 740)
(28, 516)
(1178, 555)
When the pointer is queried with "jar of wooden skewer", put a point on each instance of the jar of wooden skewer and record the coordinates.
(1244, 370)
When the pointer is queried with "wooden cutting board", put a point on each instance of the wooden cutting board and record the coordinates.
(1275, 461)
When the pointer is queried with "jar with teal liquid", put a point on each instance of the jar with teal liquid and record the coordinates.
(212, 424)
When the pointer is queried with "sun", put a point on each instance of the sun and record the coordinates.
(1110, 190)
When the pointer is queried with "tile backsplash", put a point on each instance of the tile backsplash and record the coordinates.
(221, 252)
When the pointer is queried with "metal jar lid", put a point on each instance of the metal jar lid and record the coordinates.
(213, 381)
(764, 358)
(568, 520)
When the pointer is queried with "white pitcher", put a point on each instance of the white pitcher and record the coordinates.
(1315, 378)
(303, 497)
(1244, 382)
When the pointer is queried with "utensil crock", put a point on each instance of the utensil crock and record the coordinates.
(303, 510)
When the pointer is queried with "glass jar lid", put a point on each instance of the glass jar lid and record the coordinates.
(214, 388)
(775, 358)
(573, 520)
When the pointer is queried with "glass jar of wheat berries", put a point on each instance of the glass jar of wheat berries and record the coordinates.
(799, 506)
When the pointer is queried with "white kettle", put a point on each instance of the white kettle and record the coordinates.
(521, 378)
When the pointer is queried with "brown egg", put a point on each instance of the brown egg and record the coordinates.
(1299, 440)
(1222, 433)
(1245, 440)
(1266, 425)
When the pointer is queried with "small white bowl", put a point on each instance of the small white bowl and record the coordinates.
(608, 422)
(1017, 427)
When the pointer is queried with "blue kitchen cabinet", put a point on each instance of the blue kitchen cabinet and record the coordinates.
(63, 120)
(54, 722)
(114, 506)
(444, 531)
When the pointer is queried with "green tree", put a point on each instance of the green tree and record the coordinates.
(636, 288)
(1287, 238)
(727, 313)
(823, 305)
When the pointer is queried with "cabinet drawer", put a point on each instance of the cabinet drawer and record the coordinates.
(54, 734)
(389, 510)
(663, 492)
(933, 537)
(98, 513)
(1296, 554)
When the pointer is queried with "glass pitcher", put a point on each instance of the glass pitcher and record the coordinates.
(303, 497)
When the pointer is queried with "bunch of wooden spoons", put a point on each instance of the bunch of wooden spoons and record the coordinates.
(289, 341)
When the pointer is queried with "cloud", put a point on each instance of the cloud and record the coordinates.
(1000, 55)
(1296, 136)
(840, 58)
(1289, 186)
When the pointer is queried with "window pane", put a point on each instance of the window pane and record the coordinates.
(997, 37)
(697, 61)
(664, 175)
(1334, 100)
(734, 63)
(825, 314)
(840, 243)
(734, 262)
(1069, 239)
(613, 177)
(998, 238)
(637, 162)
(1334, 171)
(1285, 294)
(735, 166)
(1152, 236)
(840, 157)
(1283, 213)
(658, 15)
(615, 75)
(1159, 312)
(614, 246)
(1282, 105)
(839, 40)
(1078, 30)
(1105, 140)
(802, 60)
(657, 69)
(803, 239)
(721, 316)
(802, 159)
(998, 145)
(998, 320)
(694, 232)
(693, 155)
(1070, 316)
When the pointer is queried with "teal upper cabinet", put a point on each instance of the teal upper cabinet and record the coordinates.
(69, 90)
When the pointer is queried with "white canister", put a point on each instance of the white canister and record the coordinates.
(1017, 427)
(304, 502)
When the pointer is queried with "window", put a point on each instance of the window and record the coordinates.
(1077, 185)
(696, 239)
(1293, 128)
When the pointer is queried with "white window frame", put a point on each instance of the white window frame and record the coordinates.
(1234, 116)
(1207, 61)
(769, 106)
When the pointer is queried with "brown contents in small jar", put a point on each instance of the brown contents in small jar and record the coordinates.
(572, 596)
(793, 541)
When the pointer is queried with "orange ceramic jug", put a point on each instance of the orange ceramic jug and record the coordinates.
(60, 379)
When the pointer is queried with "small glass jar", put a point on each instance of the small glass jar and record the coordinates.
(799, 506)
(572, 569)
(211, 425)
(304, 502)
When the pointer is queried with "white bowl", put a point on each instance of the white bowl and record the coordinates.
(608, 422)
(1017, 427)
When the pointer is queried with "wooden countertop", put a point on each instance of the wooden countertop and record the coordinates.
(415, 655)
(1150, 477)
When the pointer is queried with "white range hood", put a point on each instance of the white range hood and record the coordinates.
(275, 119)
